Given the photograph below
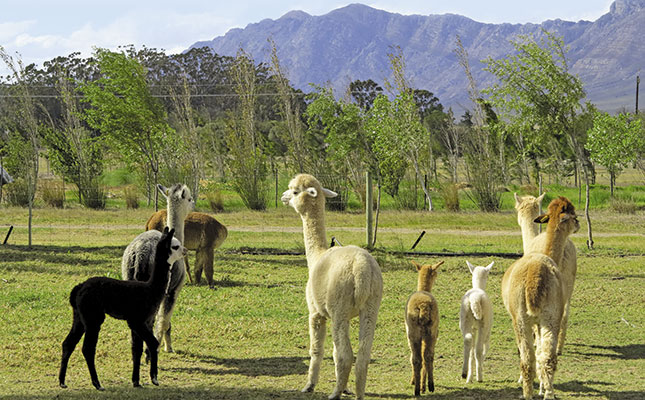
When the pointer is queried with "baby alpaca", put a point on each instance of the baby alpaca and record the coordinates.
(344, 282)
(422, 327)
(475, 321)
(133, 301)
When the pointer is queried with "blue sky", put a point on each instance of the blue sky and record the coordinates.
(40, 30)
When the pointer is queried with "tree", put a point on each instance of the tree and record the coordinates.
(123, 109)
(24, 145)
(540, 99)
(613, 142)
(247, 161)
(364, 93)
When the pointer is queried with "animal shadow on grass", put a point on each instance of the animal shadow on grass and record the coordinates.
(451, 393)
(580, 389)
(59, 255)
(627, 352)
(267, 366)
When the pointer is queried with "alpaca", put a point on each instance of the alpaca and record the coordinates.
(133, 301)
(202, 233)
(475, 321)
(344, 282)
(422, 328)
(527, 210)
(533, 294)
(138, 257)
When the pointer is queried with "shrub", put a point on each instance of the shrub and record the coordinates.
(450, 195)
(623, 206)
(17, 193)
(53, 194)
(131, 196)
(94, 197)
(215, 201)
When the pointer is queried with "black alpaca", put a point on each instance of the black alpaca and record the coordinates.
(133, 301)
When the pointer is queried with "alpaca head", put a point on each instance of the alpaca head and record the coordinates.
(305, 193)
(170, 246)
(427, 274)
(480, 274)
(179, 198)
(561, 216)
(528, 207)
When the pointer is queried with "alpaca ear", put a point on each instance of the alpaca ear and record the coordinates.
(490, 266)
(312, 191)
(329, 193)
(542, 219)
(540, 197)
(163, 190)
(470, 266)
(416, 264)
(436, 266)
(517, 199)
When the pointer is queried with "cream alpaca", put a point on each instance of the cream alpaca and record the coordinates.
(532, 290)
(475, 321)
(344, 282)
(422, 327)
(527, 210)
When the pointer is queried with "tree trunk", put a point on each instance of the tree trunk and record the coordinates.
(378, 212)
(612, 180)
(589, 236)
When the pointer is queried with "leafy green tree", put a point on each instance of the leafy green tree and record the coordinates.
(613, 142)
(124, 110)
(364, 93)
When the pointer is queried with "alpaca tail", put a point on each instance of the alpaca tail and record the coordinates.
(476, 305)
(535, 288)
(73, 294)
(423, 310)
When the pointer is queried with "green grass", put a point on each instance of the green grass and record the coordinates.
(248, 338)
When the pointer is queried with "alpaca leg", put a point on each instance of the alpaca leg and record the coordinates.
(144, 333)
(429, 343)
(415, 360)
(89, 352)
(200, 256)
(162, 328)
(190, 277)
(343, 355)
(524, 336)
(208, 267)
(479, 354)
(547, 356)
(137, 349)
(563, 328)
(466, 372)
(367, 318)
(317, 332)
(69, 344)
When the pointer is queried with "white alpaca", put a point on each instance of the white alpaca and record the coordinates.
(475, 321)
(344, 282)
(527, 210)
(138, 257)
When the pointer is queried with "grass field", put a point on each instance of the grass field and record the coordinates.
(248, 338)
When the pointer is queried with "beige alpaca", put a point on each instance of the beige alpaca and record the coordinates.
(344, 282)
(527, 210)
(202, 233)
(532, 290)
(422, 327)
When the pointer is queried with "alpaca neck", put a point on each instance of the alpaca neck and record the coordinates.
(424, 284)
(556, 240)
(313, 229)
(176, 222)
(479, 284)
(529, 231)
(159, 279)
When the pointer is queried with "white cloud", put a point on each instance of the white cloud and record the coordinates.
(8, 30)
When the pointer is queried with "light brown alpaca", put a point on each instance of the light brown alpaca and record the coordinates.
(527, 211)
(532, 290)
(422, 327)
(202, 233)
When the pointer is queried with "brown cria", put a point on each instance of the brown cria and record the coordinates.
(202, 233)
(422, 328)
(532, 290)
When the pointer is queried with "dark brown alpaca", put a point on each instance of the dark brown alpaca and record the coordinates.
(202, 233)
(133, 301)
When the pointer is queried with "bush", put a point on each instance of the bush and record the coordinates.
(623, 206)
(450, 195)
(94, 197)
(131, 196)
(53, 194)
(17, 193)
(215, 201)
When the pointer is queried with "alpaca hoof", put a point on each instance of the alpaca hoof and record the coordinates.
(136, 384)
(417, 393)
(463, 376)
(348, 392)
(308, 388)
(62, 385)
(334, 396)
(431, 387)
(155, 381)
(100, 388)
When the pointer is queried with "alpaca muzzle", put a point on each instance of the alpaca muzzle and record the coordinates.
(286, 197)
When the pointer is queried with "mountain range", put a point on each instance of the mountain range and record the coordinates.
(352, 43)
